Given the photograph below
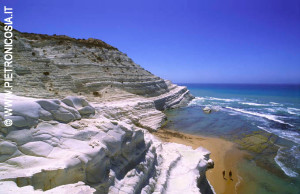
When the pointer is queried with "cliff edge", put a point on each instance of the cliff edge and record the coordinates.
(82, 112)
(57, 66)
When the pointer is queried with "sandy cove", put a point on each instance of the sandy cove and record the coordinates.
(225, 155)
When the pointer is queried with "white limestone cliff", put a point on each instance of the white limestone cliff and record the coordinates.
(57, 66)
(54, 145)
(83, 113)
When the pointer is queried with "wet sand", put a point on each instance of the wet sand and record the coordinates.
(224, 154)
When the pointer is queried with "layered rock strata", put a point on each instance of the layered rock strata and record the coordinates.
(71, 145)
(51, 66)
(82, 116)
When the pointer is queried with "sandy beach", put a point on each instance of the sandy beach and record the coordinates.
(224, 154)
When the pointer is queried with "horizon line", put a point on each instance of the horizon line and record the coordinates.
(239, 83)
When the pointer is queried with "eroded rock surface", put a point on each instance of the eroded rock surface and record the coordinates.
(102, 152)
(51, 66)
(82, 112)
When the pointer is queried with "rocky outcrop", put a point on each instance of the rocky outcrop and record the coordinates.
(207, 110)
(51, 66)
(82, 116)
(93, 151)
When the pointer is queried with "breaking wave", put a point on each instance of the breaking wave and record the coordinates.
(286, 156)
(293, 111)
(278, 159)
(267, 116)
(274, 103)
(253, 104)
(285, 134)
(224, 99)
(272, 111)
(196, 101)
(200, 100)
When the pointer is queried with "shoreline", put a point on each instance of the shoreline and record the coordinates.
(225, 155)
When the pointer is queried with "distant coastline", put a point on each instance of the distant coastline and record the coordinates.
(259, 119)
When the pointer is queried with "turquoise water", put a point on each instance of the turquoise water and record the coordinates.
(269, 112)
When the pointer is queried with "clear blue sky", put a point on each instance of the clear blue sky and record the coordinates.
(199, 41)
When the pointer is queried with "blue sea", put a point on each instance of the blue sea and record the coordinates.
(265, 114)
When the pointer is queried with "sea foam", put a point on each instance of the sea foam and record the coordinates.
(196, 101)
(285, 169)
(200, 100)
(253, 104)
(293, 111)
(267, 116)
(285, 134)
(224, 99)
